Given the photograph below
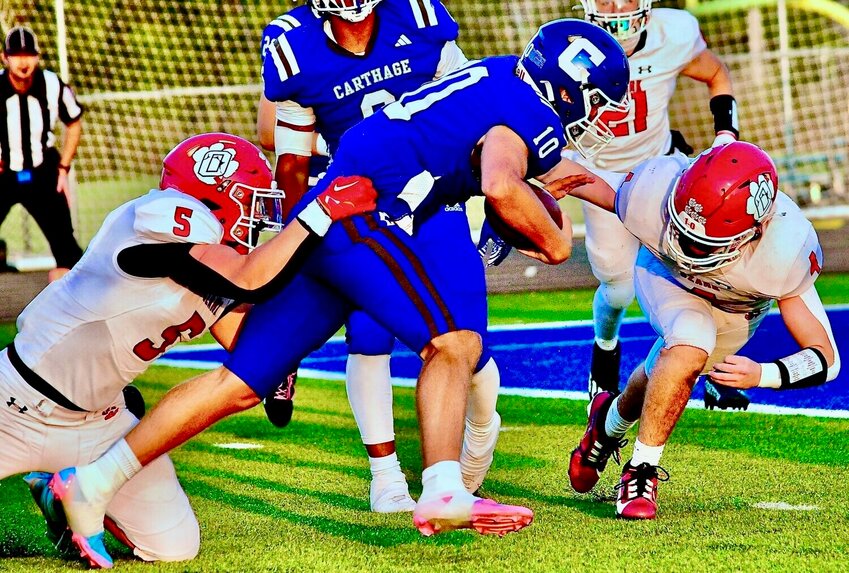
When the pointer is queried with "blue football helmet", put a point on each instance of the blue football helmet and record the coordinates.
(582, 71)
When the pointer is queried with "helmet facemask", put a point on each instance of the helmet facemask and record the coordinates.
(261, 210)
(625, 26)
(589, 135)
(349, 10)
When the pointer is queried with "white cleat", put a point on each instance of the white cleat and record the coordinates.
(476, 457)
(460, 510)
(390, 496)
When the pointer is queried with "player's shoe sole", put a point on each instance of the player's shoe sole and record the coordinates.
(91, 548)
(279, 406)
(487, 517)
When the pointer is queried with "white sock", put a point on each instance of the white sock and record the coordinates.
(615, 425)
(644, 454)
(483, 394)
(440, 478)
(369, 386)
(386, 467)
(103, 478)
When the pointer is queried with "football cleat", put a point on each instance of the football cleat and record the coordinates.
(83, 516)
(604, 370)
(589, 459)
(390, 497)
(57, 525)
(637, 497)
(279, 406)
(464, 511)
(724, 397)
(475, 465)
(134, 401)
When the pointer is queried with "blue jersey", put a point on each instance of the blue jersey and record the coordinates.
(418, 150)
(303, 65)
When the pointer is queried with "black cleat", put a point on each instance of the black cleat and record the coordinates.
(134, 401)
(604, 370)
(278, 406)
(724, 397)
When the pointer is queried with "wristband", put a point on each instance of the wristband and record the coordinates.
(801, 370)
(724, 110)
(65, 168)
(315, 219)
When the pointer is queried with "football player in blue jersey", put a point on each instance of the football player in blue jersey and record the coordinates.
(418, 152)
(335, 64)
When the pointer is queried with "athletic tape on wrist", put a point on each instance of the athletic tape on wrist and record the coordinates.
(315, 219)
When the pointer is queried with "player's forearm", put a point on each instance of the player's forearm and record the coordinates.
(292, 175)
(73, 132)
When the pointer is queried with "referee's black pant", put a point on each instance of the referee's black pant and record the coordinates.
(49, 208)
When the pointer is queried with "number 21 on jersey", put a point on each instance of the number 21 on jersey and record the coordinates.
(623, 123)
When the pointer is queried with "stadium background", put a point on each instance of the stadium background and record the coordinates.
(152, 72)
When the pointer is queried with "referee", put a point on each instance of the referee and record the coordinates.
(32, 171)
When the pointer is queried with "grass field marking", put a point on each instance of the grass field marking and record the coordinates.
(239, 446)
(783, 506)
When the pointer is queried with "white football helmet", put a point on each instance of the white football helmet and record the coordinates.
(349, 10)
(624, 19)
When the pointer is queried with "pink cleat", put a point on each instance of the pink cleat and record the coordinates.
(590, 458)
(637, 497)
(463, 511)
(79, 512)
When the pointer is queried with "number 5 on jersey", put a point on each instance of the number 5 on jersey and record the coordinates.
(181, 217)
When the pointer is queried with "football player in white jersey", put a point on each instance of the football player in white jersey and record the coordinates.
(661, 44)
(720, 244)
(331, 41)
(163, 268)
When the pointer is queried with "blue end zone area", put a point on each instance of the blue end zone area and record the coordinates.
(553, 359)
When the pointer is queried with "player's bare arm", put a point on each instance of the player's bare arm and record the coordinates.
(571, 178)
(503, 170)
(265, 122)
(818, 361)
(709, 69)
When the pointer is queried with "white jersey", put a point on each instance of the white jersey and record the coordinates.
(672, 40)
(91, 333)
(782, 263)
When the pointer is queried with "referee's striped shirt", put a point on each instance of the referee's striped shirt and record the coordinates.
(26, 130)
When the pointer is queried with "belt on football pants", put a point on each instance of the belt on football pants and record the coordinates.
(38, 383)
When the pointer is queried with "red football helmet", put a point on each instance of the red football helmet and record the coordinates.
(718, 205)
(232, 177)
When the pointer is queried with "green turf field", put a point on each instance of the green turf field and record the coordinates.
(300, 503)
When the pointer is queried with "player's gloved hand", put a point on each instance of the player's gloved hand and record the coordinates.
(722, 138)
(344, 197)
(492, 248)
(679, 143)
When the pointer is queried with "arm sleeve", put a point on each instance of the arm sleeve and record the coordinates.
(293, 132)
(174, 261)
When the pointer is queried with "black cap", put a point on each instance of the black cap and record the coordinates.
(21, 40)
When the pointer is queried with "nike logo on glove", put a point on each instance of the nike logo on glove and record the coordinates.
(337, 188)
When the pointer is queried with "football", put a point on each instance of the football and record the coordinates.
(514, 237)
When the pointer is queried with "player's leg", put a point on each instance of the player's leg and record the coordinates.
(369, 387)
(688, 333)
(261, 357)
(433, 307)
(611, 250)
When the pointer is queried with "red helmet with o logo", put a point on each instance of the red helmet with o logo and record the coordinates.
(232, 177)
(718, 205)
